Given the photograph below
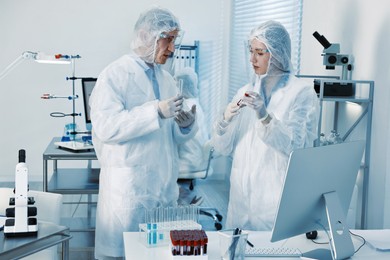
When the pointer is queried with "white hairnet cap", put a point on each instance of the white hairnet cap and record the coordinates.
(148, 28)
(275, 36)
(190, 81)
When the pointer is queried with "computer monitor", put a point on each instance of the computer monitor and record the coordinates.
(316, 196)
(87, 85)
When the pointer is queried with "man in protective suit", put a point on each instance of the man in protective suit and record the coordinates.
(267, 119)
(138, 122)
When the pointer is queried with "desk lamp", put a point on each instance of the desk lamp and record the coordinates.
(38, 57)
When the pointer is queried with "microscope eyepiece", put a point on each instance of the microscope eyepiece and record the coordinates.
(22, 156)
(324, 42)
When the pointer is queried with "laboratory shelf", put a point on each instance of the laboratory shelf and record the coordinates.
(352, 125)
(74, 181)
(347, 99)
(82, 241)
(69, 180)
(79, 224)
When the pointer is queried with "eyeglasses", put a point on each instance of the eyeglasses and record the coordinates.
(258, 51)
(176, 39)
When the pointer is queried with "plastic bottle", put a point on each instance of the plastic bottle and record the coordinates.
(338, 139)
(332, 137)
(323, 140)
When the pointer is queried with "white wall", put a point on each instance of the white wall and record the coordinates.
(99, 31)
(363, 29)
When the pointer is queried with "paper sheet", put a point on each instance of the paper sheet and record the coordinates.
(379, 241)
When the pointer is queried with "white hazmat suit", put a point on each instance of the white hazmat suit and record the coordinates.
(193, 154)
(136, 148)
(260, 151)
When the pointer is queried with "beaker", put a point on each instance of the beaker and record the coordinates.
(70, 131)
(232, 246)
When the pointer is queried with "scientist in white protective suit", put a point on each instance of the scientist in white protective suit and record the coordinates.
(193, 154)
(138, 122)
(266, 120)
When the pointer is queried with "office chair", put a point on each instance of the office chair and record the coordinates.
(193, 175)
(48, 209)
(203, 174)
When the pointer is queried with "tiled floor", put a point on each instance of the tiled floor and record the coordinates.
(75, 212)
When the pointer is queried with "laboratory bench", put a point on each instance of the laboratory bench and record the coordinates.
(48, 235)
(377, 245)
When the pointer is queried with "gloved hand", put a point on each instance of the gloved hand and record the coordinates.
(231, 111)
(170, 107)
(256, 102)
(185, 119)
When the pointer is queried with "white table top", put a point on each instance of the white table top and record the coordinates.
(134, 249)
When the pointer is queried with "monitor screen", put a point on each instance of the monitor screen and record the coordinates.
(319, 184)
(87, 86)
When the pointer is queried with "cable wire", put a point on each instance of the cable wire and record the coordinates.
(78, 204)
(362, 238)
(356, 235)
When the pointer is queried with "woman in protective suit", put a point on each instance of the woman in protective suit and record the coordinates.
(138, 122)
(266, 120)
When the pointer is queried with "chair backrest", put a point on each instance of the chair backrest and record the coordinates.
(5, 194)
(48, 204)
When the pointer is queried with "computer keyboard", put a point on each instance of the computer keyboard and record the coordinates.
(272, 251)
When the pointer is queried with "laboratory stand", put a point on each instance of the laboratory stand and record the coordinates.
(58, 178)
(350, 116)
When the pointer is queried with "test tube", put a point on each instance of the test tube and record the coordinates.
(180, 86)
(166, 219)
(170, 213)
(154, 233)
(175, 242)
(148, 230)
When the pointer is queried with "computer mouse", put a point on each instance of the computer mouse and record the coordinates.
(311, 234)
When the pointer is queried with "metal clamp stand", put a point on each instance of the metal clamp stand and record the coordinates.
(73, 78)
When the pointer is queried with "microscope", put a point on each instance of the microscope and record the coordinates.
(331, 59)
(21, 218)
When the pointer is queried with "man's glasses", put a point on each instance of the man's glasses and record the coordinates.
(176, 39)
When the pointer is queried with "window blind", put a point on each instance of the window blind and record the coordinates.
(247, 14)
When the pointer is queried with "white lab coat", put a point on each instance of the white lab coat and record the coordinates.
(137, 150)
(260, 152)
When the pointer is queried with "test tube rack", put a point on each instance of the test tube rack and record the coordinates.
(161, 220)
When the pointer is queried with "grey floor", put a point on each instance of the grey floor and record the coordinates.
(80, 218)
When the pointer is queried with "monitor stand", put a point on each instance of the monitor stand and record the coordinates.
(341, 245)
